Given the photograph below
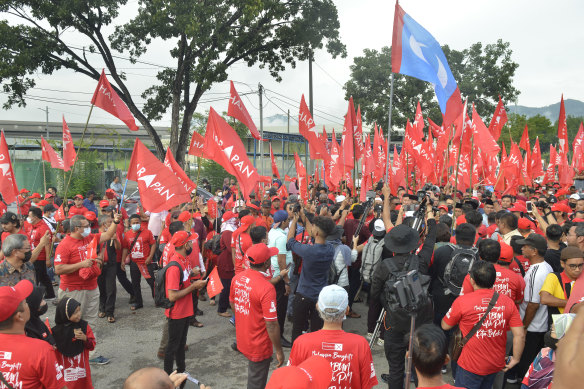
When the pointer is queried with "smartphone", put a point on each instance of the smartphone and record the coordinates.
(528, 206)
(192, 379)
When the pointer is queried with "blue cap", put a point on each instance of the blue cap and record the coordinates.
(279, 217)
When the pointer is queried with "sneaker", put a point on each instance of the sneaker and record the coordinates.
(512, 380)
(380, 342)
(232, 321)
(369, 335)
(99, 361)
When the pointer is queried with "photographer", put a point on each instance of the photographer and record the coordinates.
(402, 240)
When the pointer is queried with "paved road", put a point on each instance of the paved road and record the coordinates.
(132, 342)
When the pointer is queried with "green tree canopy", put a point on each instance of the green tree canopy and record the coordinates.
(204, 40)
(482, 72)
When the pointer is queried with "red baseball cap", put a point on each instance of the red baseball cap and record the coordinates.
(560, 207)
(180, 238)
(518, 207)
(24, 190)
(12, 296)
(506, 252)
(49, 195)
(42, 203)
(524, 224)
(260, 253)
(78, 196)
(461, 219)
(184, 216)
(110, 194)
(228, 215)
(104, 203)
(444, 207)
(274, 198)
(90, 216)
(314, 373)
(35, 196)
(247, 220)
(249, 204)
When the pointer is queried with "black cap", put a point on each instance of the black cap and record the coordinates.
(534, 240)
(9, 217)
(267, 203)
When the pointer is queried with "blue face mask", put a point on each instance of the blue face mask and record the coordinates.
(135, 227)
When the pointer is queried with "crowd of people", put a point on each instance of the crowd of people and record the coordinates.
(473, 283)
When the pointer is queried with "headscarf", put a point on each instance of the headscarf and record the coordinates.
(63, 331)
(229, 225)
(35, 328)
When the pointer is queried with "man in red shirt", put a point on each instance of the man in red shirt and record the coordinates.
(139, 242)
(23, 202)
(43, 261)
(240, 242)
(484, 354)
(71, 258)
(25, 362)
(349, 354)
(179, 290)
(78, 208)
(253, 299)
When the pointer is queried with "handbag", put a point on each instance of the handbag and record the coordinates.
(127, 259)
(458, 342)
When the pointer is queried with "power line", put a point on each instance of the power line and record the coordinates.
(327, 73)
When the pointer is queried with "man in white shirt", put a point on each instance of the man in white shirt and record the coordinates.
(533, 313)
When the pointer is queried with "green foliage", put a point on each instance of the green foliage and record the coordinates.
(204, 39)
(482, 73)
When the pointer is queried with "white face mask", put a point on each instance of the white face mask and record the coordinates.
(29, 220)
(135, 227)
(86, 232)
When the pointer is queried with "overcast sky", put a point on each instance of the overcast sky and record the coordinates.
(546, 39)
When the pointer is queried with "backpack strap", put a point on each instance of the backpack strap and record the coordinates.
(567, 288)
(479, 324)
(520, 265)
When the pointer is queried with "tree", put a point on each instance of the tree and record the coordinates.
(538, 125)
(205, 39)
(482, 74)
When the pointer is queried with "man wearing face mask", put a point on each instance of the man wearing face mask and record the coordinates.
(71, 257)
(38, 229)
(139, 244)
(49, 217)
(18, 259)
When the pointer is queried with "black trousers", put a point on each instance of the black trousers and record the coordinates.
(123, 279)
(373, 313)
(175, 349)
(395, 345)
(533, 345)
(224, 295)
(281, 304)
(354, 275)
(304, 310)
(107, 288)
(136, 277)
(42, 278)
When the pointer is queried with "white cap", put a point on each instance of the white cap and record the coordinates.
(333, 298)
(575, 196)
(379, 226)
(378, 199)
(340, 198)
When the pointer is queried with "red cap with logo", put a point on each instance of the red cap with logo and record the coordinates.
(260, 253)
(104, 203)
(180, 238)
(314, 373)
(11, 297)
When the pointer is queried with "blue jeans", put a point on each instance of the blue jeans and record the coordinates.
(468, 380)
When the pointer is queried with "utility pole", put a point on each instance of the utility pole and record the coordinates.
(288, 121)
(311, 103)
(260, 91)
(46, 111)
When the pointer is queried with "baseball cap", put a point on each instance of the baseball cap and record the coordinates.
(228, 215)
(78, 196)
(103, 203)
(184, 216)
(534, 240)
(333, 299)
(247, 220)
(8, 217)
(575, 196)
(460, 220)
(340, 198)
(571, 252)
(506, 252)
(517, 207)
(524, 224)
(180, 238)
(314, 373)
(35, 196)
(444, 207)
(49, 195)
(11, 296)
(561, 207)
(378, 228)
(260, 253)
(90, 216)
(280, 216)
(110, 194)
(276, 198)
(24, 190)
(252, 205)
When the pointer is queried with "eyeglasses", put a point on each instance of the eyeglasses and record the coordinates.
(574, 266)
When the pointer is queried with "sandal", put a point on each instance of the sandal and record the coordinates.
(133, 307)
(101, 315)
(111, 319)
(353, 314)
(212, 302)
(196, 323)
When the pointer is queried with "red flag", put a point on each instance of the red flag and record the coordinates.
(159, 189)
(238, 111)
(368, 163)
(364, 184)
(308, 130)
(578, 147)
(197, 143)
(8, 186)
(301, 174)
(536, 166)
(524, 142)
(347, 139)
(498, 121)
(69, 153)
(419, 121)
(106, 98)
(214, 286)
(482, 137)
(91, 249)
(378, 154)
(333, 172)
(562, 130)
(288, 178)
(413, 145)
(358, 135)
(282, 192)
(550, 173)
(223, 145)
(274, 166)
(174, 167)
(50, 155)
(60, 214)
(212, 208)
(437, 130)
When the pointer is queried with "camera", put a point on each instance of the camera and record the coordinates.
(409, 291)
(296, 208)
(541, 204)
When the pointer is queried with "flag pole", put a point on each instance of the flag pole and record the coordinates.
(123, 194)
(77, 155)
(460, 150)
(389, 129)
(44, 177)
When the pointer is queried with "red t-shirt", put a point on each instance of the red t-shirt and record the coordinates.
(241, 243)
(3, 208)
(515, 267)
(349, 355)
(24, 207)
(29, 370)
(76, 370)
(77, 211)
(484, 353)
(141, 249)
(254, 300)
(165, 236)
(37, 231)
(71, 251)
(507, 283)
(445, 386)
(183, 307)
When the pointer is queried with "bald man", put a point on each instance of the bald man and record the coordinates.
(155, 378)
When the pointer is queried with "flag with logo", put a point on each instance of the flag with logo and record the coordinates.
(69, 154)
(174, 167)
(301, 174)
(308, 130)
(562, 130)
(498, 120)
(159, 188)
(50, 155)
(238, 111)
(214, 286)
(106, 98)
(347, 140)
(197, 143)
(274, 166)
(8, 186)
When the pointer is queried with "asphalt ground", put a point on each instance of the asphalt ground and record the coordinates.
(132, 343)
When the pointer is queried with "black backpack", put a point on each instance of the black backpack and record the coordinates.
(392, 301)
(457, 268)
(160, 299)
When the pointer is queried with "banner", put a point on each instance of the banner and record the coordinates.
(106, 98)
